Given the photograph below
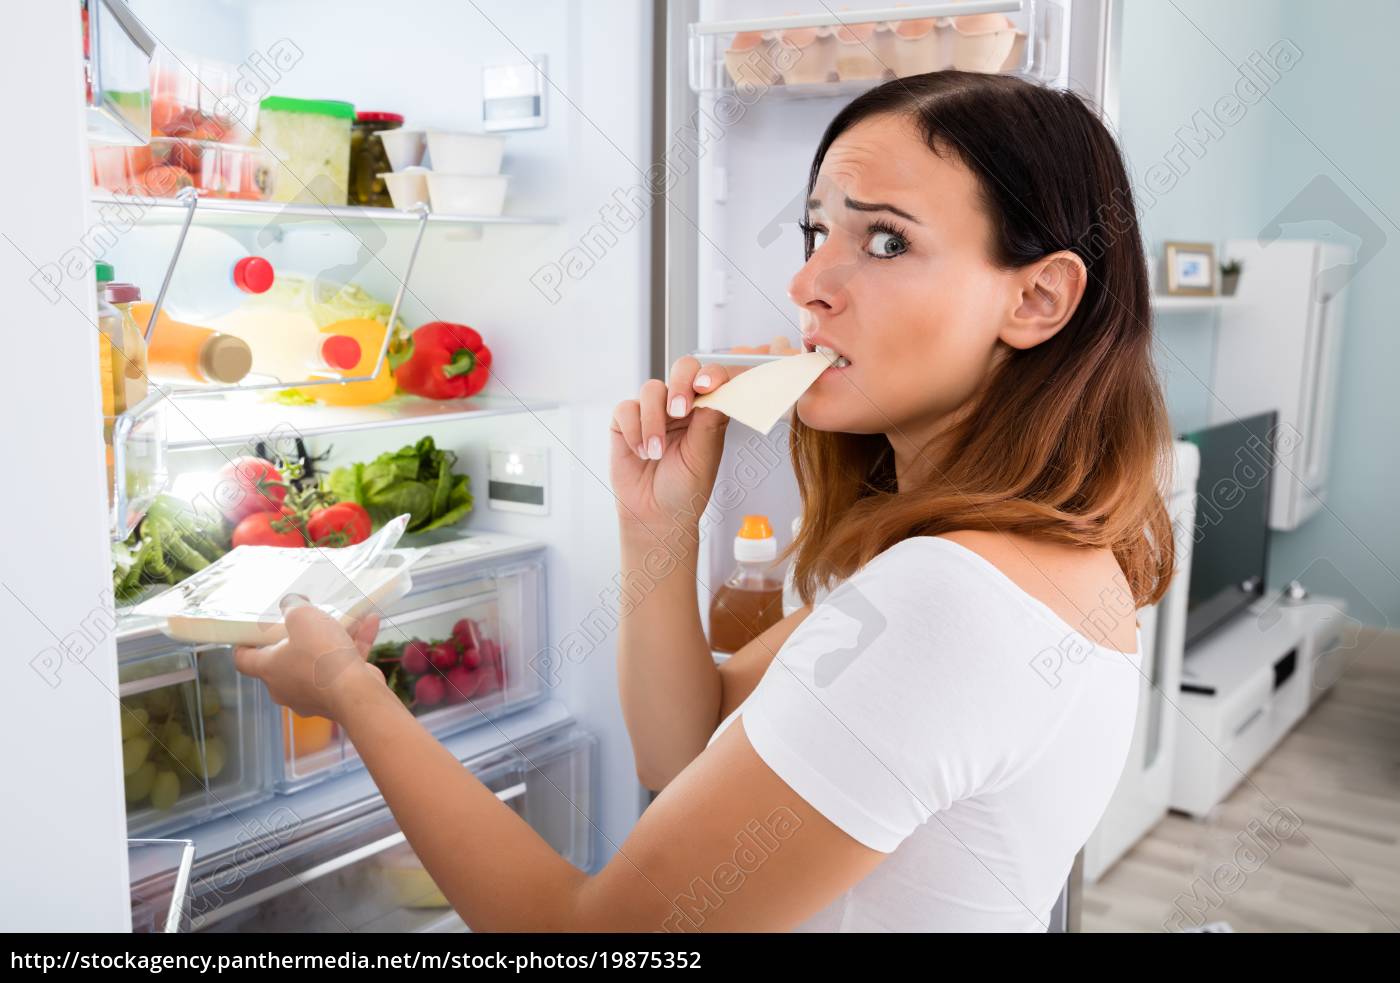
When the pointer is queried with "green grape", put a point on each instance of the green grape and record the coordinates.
(170, 732)
(166, 790)
(212, 704)
(134, 721)
(134, 754)
(183, 750)
(138, 784)
(160, 702)
(214, 758)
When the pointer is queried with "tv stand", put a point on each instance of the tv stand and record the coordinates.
(1244, 686)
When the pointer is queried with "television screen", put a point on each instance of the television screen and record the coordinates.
(1231, 552)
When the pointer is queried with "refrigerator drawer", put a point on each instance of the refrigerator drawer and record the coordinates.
(192, 733)
(456, 651)
(362, 875)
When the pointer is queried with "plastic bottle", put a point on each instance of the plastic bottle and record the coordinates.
(129, 364)
(215, 273)
(109, 343)
(286, 342)
(370, 335)
(751, 600)
(192, 353)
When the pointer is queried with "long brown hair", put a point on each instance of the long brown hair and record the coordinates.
(1068, 440)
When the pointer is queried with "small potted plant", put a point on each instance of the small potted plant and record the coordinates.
(1229, 277)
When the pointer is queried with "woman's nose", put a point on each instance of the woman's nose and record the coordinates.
(820, 285)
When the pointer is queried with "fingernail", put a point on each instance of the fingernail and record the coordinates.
(677, 407)
(702, 381)
(654, 448)
(642, 451)
(293, 601)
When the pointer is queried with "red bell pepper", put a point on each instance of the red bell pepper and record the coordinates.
(445, 361)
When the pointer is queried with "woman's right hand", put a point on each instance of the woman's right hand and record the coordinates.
(665, 452)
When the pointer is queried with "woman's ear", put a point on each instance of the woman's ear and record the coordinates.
(1049, 291)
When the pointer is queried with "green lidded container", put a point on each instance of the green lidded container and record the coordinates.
(308, 145)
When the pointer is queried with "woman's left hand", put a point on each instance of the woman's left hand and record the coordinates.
(320, 667)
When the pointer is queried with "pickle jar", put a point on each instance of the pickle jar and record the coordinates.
(368, 159)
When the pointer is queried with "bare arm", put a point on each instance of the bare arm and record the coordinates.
(674, 872)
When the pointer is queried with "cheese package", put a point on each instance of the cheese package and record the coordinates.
(759, 396)
(236, 600)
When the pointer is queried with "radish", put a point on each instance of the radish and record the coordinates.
(415, 657)
(429, 691)
(471, 658)
(443, 656)
(461, 684)
(467, 634)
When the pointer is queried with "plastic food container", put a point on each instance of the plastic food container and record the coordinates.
(170, 164)
(309, 141)
(503, 599)
(236, 600)
(368, 159)
(192, 732)
(476, 154)
(407, 188)
(196, 98)
(404, 148)
(466, 194)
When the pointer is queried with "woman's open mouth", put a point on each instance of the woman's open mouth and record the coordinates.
(836, 359)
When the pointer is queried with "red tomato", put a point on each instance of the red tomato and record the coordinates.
(344, 524)
(269, 529)
(248, 485)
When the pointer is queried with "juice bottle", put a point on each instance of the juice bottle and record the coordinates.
(751, 600)
(193, 353)
(129, 363)
(370, 335)
(215, 273)
(112, 383)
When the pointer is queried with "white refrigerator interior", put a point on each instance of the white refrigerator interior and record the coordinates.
(566, 349)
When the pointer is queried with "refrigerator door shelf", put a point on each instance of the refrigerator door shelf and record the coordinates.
(500, 606)
(831, 54)
(137, 466)
(192, 737)
(160, 884)
(362, 875)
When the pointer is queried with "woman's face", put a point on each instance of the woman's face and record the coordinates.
(900, 282)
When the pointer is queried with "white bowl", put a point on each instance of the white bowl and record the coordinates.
(407, 188)
(475, 154)
(467, 194)
(404, 148)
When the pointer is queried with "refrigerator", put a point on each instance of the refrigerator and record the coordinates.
(650, 213)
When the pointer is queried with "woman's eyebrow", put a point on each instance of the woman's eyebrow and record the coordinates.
(867, 206)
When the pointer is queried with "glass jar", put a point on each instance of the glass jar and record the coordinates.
(368, 159)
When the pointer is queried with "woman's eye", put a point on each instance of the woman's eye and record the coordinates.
(887, 244)
(818, 236)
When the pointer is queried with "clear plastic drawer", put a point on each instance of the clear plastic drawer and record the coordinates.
(192, 733)
(362, 875)
(456, 651)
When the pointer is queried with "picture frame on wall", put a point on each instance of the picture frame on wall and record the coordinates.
(1190, 268)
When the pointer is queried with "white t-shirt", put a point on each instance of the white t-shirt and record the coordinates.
(935, 711)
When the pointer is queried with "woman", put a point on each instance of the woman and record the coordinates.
(927, 743)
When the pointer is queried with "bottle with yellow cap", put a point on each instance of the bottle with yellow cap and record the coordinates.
(751, 600)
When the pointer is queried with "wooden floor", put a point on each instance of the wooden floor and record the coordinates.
(1339, 771)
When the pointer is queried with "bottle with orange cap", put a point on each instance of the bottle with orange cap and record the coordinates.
(751, 600)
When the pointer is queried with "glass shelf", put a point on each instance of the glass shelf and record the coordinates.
(231, 212)
(231, 418)
(1170, 305)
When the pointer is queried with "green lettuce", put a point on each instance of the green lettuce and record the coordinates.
(417, 479)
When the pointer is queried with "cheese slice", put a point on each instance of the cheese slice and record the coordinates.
(758, 397)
